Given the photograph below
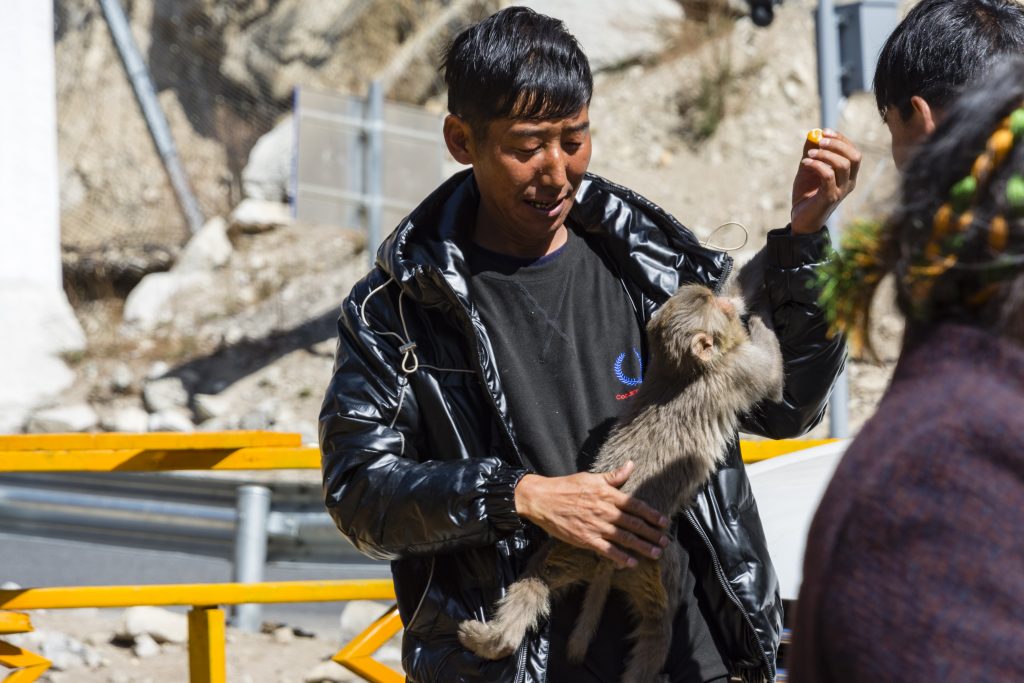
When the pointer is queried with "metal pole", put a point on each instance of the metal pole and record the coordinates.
(828, 85)
(250, 548)
(374, 166)
(155, 119)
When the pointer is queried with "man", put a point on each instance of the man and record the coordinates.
(940, 47)
(483, 360)
(925, 607)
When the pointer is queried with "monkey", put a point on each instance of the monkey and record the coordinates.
(705, 371)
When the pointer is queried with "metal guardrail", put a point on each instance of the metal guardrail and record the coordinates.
(180, 511)
(116, 454)
(168, 452)
(206, 620)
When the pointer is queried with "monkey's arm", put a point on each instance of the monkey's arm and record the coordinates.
(388, 499)
(779, 283)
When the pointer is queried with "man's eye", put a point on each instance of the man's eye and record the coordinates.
(572, 147)
(528, 150)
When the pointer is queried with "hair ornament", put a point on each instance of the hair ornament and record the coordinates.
(1015, 192)
(998, 234)
(849, 278)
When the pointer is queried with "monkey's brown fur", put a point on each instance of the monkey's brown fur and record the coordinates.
(705, 371)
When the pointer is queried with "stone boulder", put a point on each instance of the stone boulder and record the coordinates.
(610, 35)
(258, 215)
(268, 173)
(208, 249)
(153, 301)
(166, 393)
(163, 626)
(65, 652)
(74, 418)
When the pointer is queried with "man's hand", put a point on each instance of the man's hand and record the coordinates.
(827, 173)
(589, 511)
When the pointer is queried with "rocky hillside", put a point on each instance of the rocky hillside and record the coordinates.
(707, 119)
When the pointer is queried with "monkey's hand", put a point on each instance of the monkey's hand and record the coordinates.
(760, 334)
(589, 511)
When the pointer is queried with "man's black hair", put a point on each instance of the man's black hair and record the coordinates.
(943, 45)
(516, 64)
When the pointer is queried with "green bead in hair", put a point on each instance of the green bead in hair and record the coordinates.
(1017, 123)
(962, 194)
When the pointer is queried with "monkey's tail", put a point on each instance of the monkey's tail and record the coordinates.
(590, 616)
(524, 605)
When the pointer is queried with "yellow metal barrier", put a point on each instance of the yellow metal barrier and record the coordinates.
(207, 451)
(205, 619)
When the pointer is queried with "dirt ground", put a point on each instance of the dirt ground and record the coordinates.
(250, 657)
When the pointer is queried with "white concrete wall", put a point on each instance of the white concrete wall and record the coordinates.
(29, 199)
(36, 321)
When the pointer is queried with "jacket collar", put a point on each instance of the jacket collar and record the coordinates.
(651, 249)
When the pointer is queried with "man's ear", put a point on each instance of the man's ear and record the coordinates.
(459, 138)
(702, 346)
(925, 118)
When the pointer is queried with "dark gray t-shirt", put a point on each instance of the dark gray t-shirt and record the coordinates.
(569, 348)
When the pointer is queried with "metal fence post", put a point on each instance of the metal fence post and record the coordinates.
(250, 548)
(374, 185)
(828, 85)
(160, 130)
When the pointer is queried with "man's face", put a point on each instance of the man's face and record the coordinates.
(528, 173)
(908, 133)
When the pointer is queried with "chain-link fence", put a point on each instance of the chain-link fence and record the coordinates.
(224, 72)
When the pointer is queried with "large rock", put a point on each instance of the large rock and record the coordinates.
(166, 393)
(610, 34)
(153, 301)
(170, 421)
(73, 418)
(130, 419)
(161, 625)
(65, 652)
(268, 173)
(258, 215)
(209, 406)
(208, 249)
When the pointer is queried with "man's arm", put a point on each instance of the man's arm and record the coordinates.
(783, 277)
(382, 497)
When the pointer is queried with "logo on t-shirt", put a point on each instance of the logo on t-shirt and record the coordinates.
(635, 364)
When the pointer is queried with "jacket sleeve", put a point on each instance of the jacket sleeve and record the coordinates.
(390, 501)
(779, 282)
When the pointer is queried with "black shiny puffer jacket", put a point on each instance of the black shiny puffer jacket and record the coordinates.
(419, 452)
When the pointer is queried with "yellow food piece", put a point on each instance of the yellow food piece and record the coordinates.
(815, 135)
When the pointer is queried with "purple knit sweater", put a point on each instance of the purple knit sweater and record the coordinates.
(915, 561)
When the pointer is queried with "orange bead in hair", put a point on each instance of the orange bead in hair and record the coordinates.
(998, 234)
(982, 168)
(942, 224)
(1000, 144)
(965, 221)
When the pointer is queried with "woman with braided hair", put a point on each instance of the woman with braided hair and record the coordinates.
(915, 561)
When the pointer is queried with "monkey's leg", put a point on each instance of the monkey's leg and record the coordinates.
(527, 601)
(593, 607)
(653, 634)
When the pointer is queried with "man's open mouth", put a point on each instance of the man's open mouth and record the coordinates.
(544, 206)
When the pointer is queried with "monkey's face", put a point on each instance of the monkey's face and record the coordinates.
(695, 328)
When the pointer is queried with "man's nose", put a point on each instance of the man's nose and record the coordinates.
(553, 170)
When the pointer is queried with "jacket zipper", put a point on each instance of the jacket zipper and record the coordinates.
(521, 661)
(729, 591)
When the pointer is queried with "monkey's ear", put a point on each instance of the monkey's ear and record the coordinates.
(702, 346)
